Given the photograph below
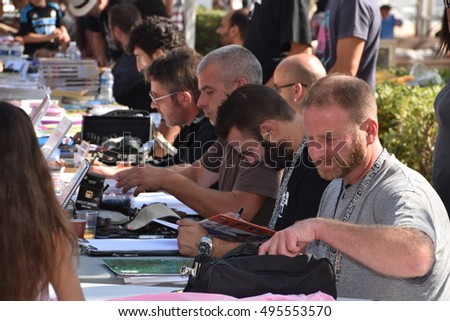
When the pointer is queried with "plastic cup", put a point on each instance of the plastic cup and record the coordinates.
(79, 225)
(91, 221)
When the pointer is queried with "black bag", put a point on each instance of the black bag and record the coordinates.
(242, 273)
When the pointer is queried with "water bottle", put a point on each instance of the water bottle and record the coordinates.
(106, 86)
(4, 51)
(72, 52)
(16, 50)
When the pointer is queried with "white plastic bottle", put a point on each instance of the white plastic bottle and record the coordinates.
(16, 50)
(72, 52)
(106, 86)
(4, 51)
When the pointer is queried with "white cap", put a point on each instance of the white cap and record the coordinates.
(81, 7)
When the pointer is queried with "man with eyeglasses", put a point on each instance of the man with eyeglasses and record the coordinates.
(240, 184)
(294, 75)
(174, 93)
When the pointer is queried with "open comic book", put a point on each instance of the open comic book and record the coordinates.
(233, 229)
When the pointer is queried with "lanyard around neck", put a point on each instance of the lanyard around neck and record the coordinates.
(332, 254)
(283, 187)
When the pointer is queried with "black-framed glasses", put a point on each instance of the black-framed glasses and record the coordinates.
(155, 99)
(277, 88)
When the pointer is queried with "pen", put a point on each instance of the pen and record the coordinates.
(238, 214)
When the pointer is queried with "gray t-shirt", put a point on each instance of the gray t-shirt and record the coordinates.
(351, 18)
(235, 173)
(397, 196)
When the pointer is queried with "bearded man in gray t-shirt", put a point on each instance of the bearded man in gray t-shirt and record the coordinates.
(381, 224)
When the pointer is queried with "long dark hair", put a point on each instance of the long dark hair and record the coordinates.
(32, 220)
(444, 36)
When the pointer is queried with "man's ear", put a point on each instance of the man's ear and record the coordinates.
(371, 129)
(185, 97)
(158, 53)
(240, 82)
(269, 129)
(234, 31)
(298, 92)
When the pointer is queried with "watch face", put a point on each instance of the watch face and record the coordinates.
(204, 248)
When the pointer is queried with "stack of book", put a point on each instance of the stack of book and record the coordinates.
(74, 78)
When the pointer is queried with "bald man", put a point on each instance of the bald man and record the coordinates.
(294, 75)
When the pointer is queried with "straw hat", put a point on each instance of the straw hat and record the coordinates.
(81, 7)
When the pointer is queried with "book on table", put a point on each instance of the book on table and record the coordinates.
(232, 229)
(151, 270)
(221, 225)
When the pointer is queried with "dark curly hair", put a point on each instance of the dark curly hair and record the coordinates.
(154, 33)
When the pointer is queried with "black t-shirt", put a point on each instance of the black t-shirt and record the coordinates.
(192, 142)
(42, 21)
(305, 189)
(100, 24)
(273, 25)
(130, 88)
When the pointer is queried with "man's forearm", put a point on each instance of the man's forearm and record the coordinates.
(205, 201)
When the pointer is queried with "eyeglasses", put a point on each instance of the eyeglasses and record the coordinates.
(277, 88)
(155, 99)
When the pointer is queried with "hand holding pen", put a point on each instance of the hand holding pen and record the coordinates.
(238, 214)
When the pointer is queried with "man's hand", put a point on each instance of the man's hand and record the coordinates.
(290, 241)
(108, 171)
(189, 234)
(144, 178)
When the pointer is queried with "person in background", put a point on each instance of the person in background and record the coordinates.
(294, 75)
(441, 170)
(317, 17)
(388, 22)
(41, 28)
(243, 119)
(149, 8)
(240, 184)
(95, 13)
(37, 242)
(277, 29)
(348, 39)
(183, 13)
(129, 87)
(380, 223)
(150, 39)
(233, 27)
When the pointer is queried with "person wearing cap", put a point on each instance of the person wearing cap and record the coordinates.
(96, 18)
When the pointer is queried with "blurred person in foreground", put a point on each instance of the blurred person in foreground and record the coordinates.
(380, 223)
(37, 243)
(441, 170)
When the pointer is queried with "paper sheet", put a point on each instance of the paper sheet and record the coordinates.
(134, 244)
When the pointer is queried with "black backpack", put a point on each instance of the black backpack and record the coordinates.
(242, 273)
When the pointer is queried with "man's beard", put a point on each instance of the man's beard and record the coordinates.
(338, 167)
(277, 155)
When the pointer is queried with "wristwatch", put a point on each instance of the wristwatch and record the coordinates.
(447, 3)
(205, 246)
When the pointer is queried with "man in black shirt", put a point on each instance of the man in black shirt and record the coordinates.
(277, 29)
